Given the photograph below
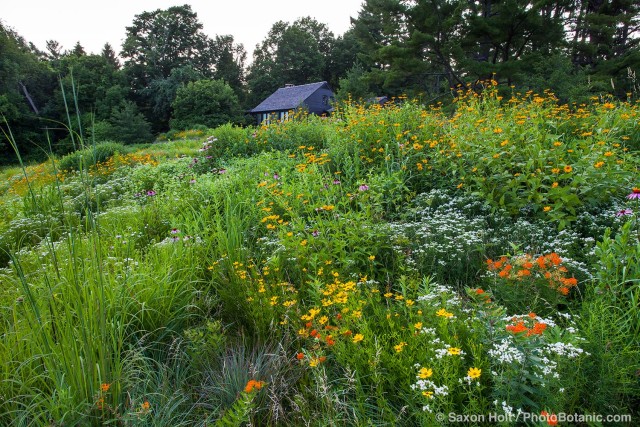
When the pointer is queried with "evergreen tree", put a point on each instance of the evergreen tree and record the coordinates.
(110, 56)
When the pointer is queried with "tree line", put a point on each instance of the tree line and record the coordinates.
(171, 75)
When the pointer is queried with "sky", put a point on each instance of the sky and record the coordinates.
(93, 23)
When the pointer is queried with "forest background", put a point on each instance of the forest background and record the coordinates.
(171, 76)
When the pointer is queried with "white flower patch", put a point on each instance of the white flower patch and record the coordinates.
(505, 352)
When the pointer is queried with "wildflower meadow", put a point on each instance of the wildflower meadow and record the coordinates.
(388, 265)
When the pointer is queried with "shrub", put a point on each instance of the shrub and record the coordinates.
(205, 102)
(89, 156)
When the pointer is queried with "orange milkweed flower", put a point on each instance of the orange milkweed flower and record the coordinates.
(538, 329)
(517, 328)
(253, 385)
(524, 272)
(505, 272)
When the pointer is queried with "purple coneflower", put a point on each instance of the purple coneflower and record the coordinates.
(276, 176)
(624, 212)
(635, 193)
(174, 231)
(151, 193)
(336, 182)
(315, 233)
(363, 187)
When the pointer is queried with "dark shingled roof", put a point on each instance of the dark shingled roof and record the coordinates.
(288, 98)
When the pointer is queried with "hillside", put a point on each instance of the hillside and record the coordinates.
(396, 265)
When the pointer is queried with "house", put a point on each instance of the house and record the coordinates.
(316, 98)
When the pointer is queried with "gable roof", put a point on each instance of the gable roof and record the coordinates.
(288, 98)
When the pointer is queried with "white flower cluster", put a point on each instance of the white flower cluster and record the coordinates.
(428, 385)
(439, 292)
(506, 353)
(442, 352)
(564, 349)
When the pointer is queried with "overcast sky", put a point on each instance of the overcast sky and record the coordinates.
(93, 23)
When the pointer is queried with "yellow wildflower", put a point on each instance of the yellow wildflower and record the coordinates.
(425, 373)
(474, 373)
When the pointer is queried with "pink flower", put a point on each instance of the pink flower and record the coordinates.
(624, 212)
(635, 193)
(363, 187)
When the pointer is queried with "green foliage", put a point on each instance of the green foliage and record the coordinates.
(211, 103)
(127, 125)
(83, 159)
(297, 53)
(364, 249)
(354, 86)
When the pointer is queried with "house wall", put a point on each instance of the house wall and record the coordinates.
(319, 101)
(268, 117)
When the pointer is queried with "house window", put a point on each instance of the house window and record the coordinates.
(283, 116)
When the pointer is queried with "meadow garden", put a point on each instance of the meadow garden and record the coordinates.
(384, 266)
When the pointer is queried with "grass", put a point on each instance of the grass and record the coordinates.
(379, 267)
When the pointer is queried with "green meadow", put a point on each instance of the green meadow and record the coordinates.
(394, 265)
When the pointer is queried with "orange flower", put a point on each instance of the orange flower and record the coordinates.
(517, 328)
(524, 272)
(538, 329)
(253, 385)
(505, 272)
(552, 419)
(104, 387)
(300, 356)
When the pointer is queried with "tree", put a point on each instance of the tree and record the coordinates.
(410, 45)
(54, 49)
(205, 102)
(110, 56)
(26, 83)
(603, 37)
(297, 53)
(127, 125)
(355, 85)
(161, 93)
(229, 59)
(344, 56)
(78, 50)
(158, 42)
(90, 83)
